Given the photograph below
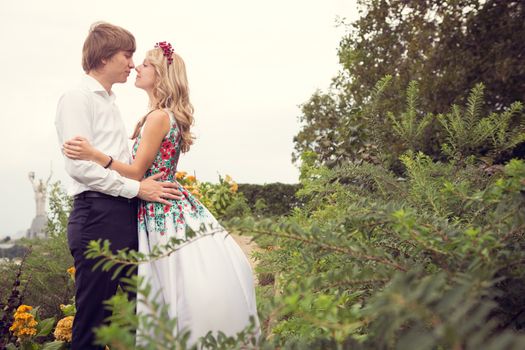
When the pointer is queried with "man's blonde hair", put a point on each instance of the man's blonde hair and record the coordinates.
(103, 41)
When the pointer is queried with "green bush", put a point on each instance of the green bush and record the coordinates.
(274, 199)
(381, 262)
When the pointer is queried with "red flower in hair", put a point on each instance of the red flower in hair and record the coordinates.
(168, 50)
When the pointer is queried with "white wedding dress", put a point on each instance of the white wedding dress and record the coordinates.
(207, 284)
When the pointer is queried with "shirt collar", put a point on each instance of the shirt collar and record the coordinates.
(95, 86)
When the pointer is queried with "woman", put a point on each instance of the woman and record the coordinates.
(208, 283)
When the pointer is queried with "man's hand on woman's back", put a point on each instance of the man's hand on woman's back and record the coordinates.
(152, 190)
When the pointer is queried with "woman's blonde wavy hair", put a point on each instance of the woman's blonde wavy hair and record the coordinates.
(171, 92)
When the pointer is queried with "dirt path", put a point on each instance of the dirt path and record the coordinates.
(248, 248)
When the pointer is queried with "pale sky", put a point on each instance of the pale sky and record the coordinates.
(250, 65)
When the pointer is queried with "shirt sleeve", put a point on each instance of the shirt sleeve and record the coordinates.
(74, 118)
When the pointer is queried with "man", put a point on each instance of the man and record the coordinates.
(105, 203)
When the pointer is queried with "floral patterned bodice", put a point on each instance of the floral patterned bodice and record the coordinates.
(152, 216)
(168, 156)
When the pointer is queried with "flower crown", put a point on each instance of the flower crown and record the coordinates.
(168, 50)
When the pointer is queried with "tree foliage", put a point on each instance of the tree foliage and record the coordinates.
(447, 46)
(440, 51)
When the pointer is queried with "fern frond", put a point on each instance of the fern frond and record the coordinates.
(474, 104)
(381, 86)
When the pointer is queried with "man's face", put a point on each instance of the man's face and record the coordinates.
(119, 66)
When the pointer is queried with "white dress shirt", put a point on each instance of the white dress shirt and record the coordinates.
(88, 110)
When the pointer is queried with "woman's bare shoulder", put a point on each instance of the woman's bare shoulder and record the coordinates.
(159, 120)
(158, 115)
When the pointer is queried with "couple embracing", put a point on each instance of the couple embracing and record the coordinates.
(134, 200)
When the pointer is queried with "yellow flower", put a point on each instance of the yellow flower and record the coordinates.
(234, 187)
(180, 174)
(228, 179)
(23, 316)
(72, 271)
(24, 308)
(24, 323)
(64, 329)
(191, 178)
(19, 330)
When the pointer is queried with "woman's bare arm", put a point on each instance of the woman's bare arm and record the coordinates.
(155, 129)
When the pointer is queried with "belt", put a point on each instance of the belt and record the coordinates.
(94, 194)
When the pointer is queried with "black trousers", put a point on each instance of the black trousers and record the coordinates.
(97, 216)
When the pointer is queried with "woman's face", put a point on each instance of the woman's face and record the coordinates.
(145, 76)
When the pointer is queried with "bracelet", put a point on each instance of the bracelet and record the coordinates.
(110, 161)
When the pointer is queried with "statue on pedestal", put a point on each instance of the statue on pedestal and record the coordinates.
(38, 225)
